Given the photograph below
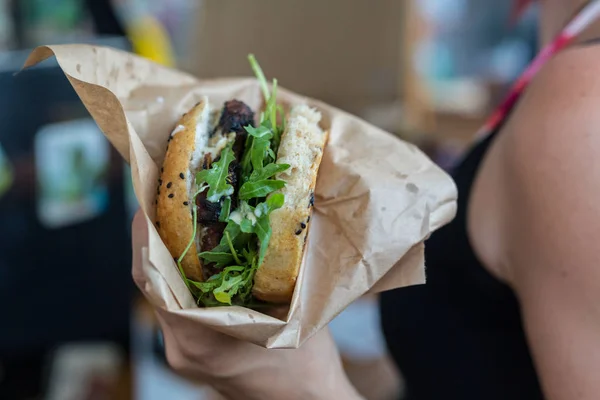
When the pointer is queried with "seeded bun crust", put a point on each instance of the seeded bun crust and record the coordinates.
(174, 205)
(302, 146)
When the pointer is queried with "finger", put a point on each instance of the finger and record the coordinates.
(197, 343)
(178, 360)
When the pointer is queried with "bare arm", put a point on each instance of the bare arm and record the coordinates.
(549, 165)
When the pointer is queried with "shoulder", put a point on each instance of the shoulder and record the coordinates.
(538, 169)
(549, 170)
(547, 191)
(560, 110)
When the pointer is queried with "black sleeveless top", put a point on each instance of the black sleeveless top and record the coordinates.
(459, 336)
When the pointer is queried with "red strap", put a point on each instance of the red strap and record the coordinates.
(588, 15)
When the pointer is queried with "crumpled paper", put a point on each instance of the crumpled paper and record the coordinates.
(377, 198)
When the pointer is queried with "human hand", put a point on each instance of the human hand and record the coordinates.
(238, 369)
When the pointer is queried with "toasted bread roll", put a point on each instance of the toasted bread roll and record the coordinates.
(174, 201)
(302, 146)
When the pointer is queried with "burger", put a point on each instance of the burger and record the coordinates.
(235, 197)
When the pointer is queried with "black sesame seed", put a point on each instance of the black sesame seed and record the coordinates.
(197, 104)
(311, 202)
(299, 231)
(171, 195)
(302, 225)
(157, 224)
(160, 181)
(169, 185)
(185, 203)
(308, 219)
(181, 175)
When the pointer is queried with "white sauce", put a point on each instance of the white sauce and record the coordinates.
(178, 129)
(236, 217)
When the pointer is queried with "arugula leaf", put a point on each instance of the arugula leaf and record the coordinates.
(263, 226)
(225, 209)
(249, 253)
(255, 151)
(247, 226)
(232, 248)
(259, 75)
(281, 112)
(238, 238)
(221, 259)
(275, 201)
(226, 284)
(207, 286)
(246, 287)
(260, 132)
(187, 248)
(263, 231)
(216, 176)
(232, 279)
(271, 108)
(267, 172)
(262, 188)
(260, 148)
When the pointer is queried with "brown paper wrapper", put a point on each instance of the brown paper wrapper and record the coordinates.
(377, 198)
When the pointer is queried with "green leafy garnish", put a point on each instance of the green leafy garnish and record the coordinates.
(257, 149)
(246, 237)
(231, 248)
(263, 229)
(216, 176)
(247, 225)
(259, 75)
(271, 110)
(225, 210)
(262, 188)
(237, 237)
(190, 243)
(260, 132)
(220, 259)
(274, 202)
(232, 279)
(267, 172)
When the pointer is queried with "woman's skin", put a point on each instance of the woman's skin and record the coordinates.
(534, 213)
(534, 221)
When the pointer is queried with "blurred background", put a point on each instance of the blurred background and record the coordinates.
(73, 325)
